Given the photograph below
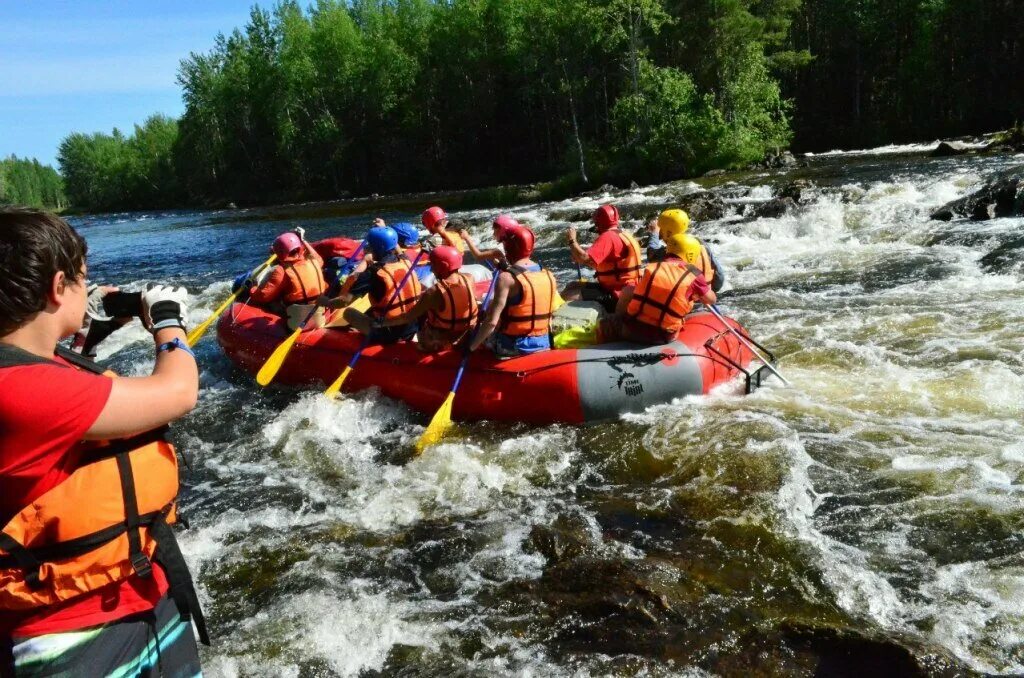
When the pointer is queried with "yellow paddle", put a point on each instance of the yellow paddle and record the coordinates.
(199, 330)
(277, 358)
(442, 419)
(335, 388)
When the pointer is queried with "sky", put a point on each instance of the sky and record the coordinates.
(91, 65)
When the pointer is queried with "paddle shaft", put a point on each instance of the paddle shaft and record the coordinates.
(743, 340)
(199, 331)
(483, 309)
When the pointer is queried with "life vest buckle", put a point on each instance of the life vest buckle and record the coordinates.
(142, 565)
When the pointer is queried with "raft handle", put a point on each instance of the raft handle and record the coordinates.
(750, 377)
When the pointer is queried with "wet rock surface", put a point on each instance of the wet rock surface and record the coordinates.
(1005, 258)
(946, 149)
(654, 607)
(1002, 196)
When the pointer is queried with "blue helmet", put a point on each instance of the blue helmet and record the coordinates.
(408, 234)
(381, 240)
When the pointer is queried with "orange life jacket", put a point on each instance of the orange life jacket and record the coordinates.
(459, 308)
(705, 265)
(660, 299)
(455, 240)
(615, 274)
(108, 520)
(532, 315)
(305, 282)
(389, 305)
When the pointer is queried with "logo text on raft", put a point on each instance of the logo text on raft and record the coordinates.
(630, 384)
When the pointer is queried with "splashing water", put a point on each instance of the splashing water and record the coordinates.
(882, 496)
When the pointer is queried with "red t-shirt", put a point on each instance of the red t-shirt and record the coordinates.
(328, 248)
(45, 411)
(609, 246)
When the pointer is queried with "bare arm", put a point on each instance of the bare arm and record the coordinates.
(470, 245)
(625, 297)
(577, 253)
(139, 404)
(490, 323)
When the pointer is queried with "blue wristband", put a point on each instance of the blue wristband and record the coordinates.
(173, 344)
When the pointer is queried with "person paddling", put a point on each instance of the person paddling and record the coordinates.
(383, 281)
(495, 256)
(86, 476)
(615, 257)
(518, 319)
(296, 283)
(448, 310)
(435, 220)
(654, 311)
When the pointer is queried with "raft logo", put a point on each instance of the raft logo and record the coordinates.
(630, 384)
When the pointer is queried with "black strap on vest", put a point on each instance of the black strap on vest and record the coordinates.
(12, 356)
(183, 589)
(139, 560)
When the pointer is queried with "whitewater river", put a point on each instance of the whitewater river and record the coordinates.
(870, 518)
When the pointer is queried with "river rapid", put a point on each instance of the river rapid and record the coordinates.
(870, 518)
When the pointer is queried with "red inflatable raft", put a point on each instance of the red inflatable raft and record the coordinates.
(568, 385)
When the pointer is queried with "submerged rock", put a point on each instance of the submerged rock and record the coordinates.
(774, 208)
(1002, 196)
(702, 205)
(1006, 257)
(572, 214)
(950, 148)
(801, 191)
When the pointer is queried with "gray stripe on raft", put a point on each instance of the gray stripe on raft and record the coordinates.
(610, 388)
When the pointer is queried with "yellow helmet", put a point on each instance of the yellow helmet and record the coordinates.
(671, 222)
(684, 246)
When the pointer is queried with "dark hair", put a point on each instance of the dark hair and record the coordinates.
(34, 246)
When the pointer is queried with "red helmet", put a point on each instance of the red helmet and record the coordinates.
(605, 217)
(287, 246)
(444, 261)
(503, 223)
(432, 216)
(518, 241)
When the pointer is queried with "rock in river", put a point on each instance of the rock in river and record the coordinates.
(1002, 196)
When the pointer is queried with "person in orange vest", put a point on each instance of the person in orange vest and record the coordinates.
(448, 311)
(298, 277)
(501, 224)
(520, 314)
(654, 310)
(384, 281)
(675, 222)
(435, 220)
(90, 574)
(615, 257)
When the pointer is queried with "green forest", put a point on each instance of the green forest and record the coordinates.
(393, 95)
(26, 182)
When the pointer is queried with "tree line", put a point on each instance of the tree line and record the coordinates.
(27, 182)
(891, 71)
(393, 95)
